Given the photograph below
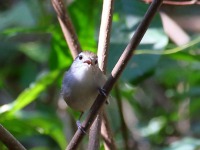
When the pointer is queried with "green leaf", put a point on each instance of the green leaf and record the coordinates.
(13, 17)
(35, 50)
(187, 143)
(154, 126)
(84, 15)
(174, 51)
(31, 93)
(60, 56)
(130, 15)
(27, 124)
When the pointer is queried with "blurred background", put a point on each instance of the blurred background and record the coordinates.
(154, 106)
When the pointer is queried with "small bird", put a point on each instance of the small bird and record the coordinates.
(82, 82)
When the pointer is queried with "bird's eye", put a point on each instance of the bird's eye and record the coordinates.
(80, 57)
(96, 62)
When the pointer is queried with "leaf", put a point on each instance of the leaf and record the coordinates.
(60, 56)
(27, 124)
(35, 50)
(154, 126)
(187, 143)
(168, 72)
(130, 15)
(84, 15)
(173, 51)
(31, 93)
(13, 17)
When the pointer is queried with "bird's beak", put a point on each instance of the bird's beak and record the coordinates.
(89, 62)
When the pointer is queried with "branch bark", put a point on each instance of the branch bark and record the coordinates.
(9, 140)
(178, 3)
(175, 32)
(103, 45)
(123, 124)
(104, 34)
(106, 133)
(116, 72)
(94, 136)
(67, 27)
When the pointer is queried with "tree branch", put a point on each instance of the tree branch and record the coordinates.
(179, 3)
(104, 34)
(94, 136)
(106, 133)
(9, 140)
(103, 45)
(67, 27)
(116, 72)
(175, 32)
(123, 124)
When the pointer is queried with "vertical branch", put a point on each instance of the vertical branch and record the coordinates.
(67, 27)
(104, 35)
(9, 140)
(116, 72)
(123, 125)
(103, 45)
(94, 136)
(106, 133)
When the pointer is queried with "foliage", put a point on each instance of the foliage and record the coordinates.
(158, 94)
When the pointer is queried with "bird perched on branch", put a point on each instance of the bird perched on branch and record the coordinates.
(82, 82)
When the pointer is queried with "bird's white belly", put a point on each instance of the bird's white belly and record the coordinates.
(83, 92)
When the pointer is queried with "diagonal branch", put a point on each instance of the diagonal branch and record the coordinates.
(67, 27)
(9, 140)
(116, 72)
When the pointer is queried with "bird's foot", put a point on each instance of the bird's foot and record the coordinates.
(78, 123)
(103, 92)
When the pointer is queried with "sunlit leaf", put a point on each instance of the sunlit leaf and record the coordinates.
(85, 15)
(31, 93)
(187, 143)
(32, 123)
(131, 14)
(35, 50)
(13, 17)
(154, 126)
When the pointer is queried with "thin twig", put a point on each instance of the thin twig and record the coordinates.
(178, 3)
(106, 133)
(123, 124)
(67, 27)
(9, 140)
(116, 72)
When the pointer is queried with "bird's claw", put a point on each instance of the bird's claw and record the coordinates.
(103, 92)
(78, 123)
